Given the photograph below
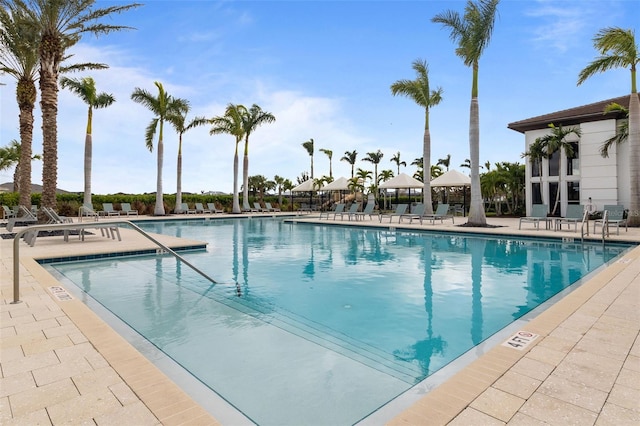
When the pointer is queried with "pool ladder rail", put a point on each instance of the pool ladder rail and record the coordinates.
(605, 226)
(32, 231)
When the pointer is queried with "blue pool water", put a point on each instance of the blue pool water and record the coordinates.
(325, 324)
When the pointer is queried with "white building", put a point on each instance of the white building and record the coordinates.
(587, 174)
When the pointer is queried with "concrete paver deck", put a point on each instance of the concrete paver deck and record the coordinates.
(61, 364)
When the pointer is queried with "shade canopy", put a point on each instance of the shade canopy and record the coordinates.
(402, 181)
(340, 184)
(450, 179)
(306, 186)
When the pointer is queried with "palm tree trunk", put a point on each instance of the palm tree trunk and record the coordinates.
(49, 108)
(88, 149)
(634, 159)
(26, 96)
(245, 178)
(159, 208)
(476, 209)
(426, 165)
(179, 175)
(236, 196)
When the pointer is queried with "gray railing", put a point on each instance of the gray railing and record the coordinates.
(605, 225)
(585, 221)
(81, 226)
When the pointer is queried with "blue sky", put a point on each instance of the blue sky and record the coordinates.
(323, 68)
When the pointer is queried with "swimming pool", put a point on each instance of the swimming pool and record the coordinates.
(325, 324)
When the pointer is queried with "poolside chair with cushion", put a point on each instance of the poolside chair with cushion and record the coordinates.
(417, 213)
(573, 215)
(368, 211)
(338, 208)
(212, 207)
(270, 208)
(107, 210)
(126, 209)
(200, 209)
(538, 214)
(87, 210)
(400, 210)
(615, 215)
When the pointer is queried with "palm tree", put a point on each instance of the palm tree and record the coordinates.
(85, 89)
(396, 159)
(10, 156)
(419, 90)
(375, 158)
(19, 59)
(556, 141)
(231, 123)
(329, 154)
(622, 132)
(308, 145)
(466, 164)
(618, 49)
(60, 25)
(472, 33)
(163, 106)
(178, 122)
(251, 120)
(280, 181)
(446, 161)
(350, 157)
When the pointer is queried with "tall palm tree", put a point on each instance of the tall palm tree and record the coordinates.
(19, 59)
(231, 123)
(179, 123)
(329, 154)
(446, 161)
(279, 181)
(60, 25)
(163, 106)
(85, 89)
(251, 120)
(419, 90)
(350, 157)
(554, 142)
(396, 159)
(618, 49)
(472, 33)
(308, 145)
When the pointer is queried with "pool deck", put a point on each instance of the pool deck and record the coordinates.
(61, 364)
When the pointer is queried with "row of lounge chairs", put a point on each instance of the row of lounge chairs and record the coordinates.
(418, 213)
(575, 214)
(199, 209)
(257, 208)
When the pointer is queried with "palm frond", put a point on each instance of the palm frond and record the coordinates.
(150, 133)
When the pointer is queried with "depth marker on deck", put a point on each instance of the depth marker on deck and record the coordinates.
(520, 340)
(60, 293)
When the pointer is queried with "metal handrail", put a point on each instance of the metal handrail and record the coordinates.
(585, 220)
(605, 225)
(63, 226)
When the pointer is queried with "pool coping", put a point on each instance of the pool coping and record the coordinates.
(452, 398)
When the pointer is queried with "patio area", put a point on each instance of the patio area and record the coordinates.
(61, 364)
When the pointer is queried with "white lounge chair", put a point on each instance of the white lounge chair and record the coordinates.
(270, 208)
(86, 210)
(200, 208)
(184, 208)
(441, 213)
(25, 217)
(352, 210)
(417, 213)
(108, 210)
(538, 214)
(368, 211)
(247, 208)
(214, 209)
(337, 209)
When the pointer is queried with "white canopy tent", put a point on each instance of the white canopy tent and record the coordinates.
(306, 186)
(454, 179)
(340, 184)
(402, 181)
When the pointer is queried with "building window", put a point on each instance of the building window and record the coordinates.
(573, 161)
(536, 193)
(536, 168)
(554, 164)
(573, 192)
